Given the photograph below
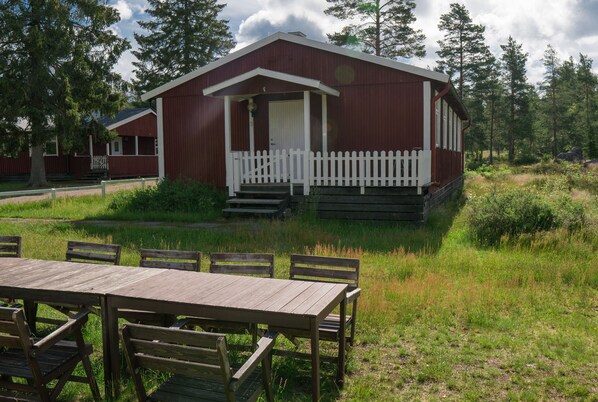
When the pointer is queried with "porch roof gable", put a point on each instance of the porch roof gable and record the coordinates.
(234, 86)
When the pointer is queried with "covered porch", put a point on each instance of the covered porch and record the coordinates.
(290, 158)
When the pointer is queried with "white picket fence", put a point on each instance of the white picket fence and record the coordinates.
(347, 169)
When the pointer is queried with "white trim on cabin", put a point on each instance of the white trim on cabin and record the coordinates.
(433, 75)
(277, 75)
(129, 119)
(160, 145)
(427, 101)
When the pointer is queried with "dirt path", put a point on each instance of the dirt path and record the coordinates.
(110, 188)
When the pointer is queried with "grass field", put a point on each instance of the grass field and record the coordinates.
(440, 317)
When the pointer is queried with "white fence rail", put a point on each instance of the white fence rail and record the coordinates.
(53, 191)
(354, 169)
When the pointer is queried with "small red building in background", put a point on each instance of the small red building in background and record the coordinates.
(291, 111)
(131, 154)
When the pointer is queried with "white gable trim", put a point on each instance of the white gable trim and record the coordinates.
(433, 75)
(129, 119)
(295, 79)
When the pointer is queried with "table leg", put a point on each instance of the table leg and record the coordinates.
(106, 348)
(112, 330)
(315, 360)
(340, 375)
(30, 309)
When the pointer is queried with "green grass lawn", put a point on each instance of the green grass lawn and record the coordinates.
(439, 316)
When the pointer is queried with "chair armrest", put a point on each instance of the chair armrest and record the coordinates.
(73, 324)
(353, 295)
(264, 348)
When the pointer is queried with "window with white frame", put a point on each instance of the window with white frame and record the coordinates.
(444, 123)
(437, 126)
(459, 130)
(50, 147)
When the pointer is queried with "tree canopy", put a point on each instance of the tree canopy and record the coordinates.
(56, 72)
(182, 35)
(384, 28)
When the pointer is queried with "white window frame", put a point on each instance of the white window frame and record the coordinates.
(444, 123)
(437, 126)
(55, 141)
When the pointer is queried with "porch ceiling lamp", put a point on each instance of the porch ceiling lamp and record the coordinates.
(252, 107)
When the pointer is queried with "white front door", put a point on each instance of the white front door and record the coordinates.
(117, 146)
(286, 125)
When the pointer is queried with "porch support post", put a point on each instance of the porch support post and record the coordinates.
(107, 149)
(90, 151)
(427, 115)
(227, 146)
(136, 145)
(251, 130)
(324, 124)
(160, 112)
(307, 138)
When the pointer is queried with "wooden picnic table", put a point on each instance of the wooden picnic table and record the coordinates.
(285, 303)
(70, 283)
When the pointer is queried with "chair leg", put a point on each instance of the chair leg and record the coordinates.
(95, 391)
(267, 377)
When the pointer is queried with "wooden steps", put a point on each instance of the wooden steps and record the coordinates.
(263, 203)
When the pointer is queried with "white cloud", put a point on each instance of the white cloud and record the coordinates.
(124, 9)
(569, 25)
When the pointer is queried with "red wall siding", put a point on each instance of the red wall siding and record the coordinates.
(22, 165)
(145, 126)
(133, 166)
(379, 108)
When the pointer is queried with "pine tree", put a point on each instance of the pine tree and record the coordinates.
(463, 48)
(550, 86)
(588, 89)
(56, 70)
(515, 81)
(384, 27)
(183, 35)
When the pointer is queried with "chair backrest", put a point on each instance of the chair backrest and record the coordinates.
(177, 351)
(10, 246)
(171, 259)
(325, 269)
(14, 331)
(242, 264)
(103, 253)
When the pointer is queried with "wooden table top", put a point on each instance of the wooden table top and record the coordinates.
(74, 277)
(283, 296)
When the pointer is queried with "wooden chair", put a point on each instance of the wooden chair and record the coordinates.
(41, 361)
(166, 259)
(10, 246)
(76, 251)
(94, 252)
(171, 259)
(332, 270)
(261, 265)
(199, 363)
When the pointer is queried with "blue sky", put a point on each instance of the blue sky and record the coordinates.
(569, 25)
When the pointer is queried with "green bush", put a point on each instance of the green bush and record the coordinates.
(516, 212)
(170, 196)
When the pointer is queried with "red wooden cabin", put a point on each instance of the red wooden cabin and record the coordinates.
(131, 154)
(308, 115)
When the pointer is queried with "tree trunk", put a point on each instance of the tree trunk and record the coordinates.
(491, 129)
(38, 167)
